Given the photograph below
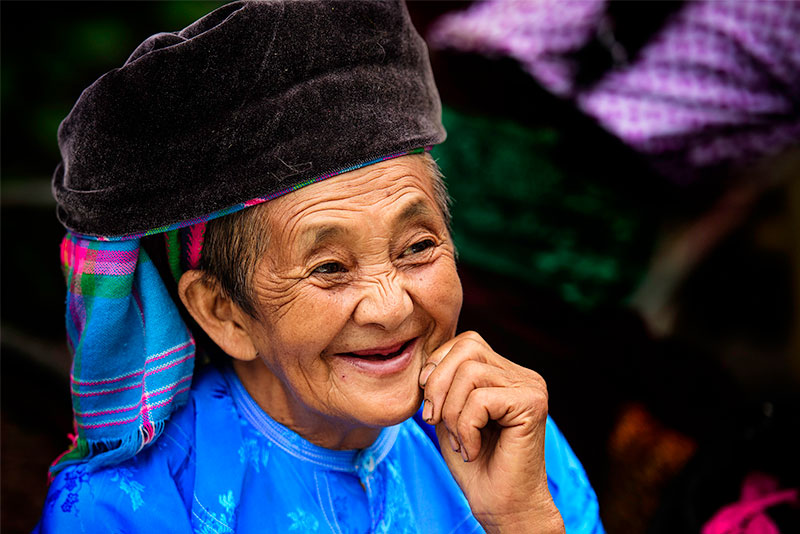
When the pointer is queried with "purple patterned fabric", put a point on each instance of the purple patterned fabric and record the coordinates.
(538, 33)
(719, 83)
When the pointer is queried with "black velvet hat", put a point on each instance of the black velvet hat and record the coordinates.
(254, 99)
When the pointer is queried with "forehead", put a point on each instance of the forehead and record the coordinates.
(396, 189)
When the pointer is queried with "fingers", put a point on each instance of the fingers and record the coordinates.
(476, 414)
(469, 376)
(467, 384)
(436, 358)
(437, 375)
(518, 410)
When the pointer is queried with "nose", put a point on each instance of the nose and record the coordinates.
(385, 302)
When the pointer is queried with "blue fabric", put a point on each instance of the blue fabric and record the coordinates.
(133, 356)
(223, 465)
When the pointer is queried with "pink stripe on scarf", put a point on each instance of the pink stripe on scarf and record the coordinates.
(148, 373)
(195, 244)
(153, 358)
(132, 419)
(138, 404)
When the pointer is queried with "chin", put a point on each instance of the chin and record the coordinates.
(392, 410)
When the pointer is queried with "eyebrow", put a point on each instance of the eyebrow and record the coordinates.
(319, 235)
(418, 209)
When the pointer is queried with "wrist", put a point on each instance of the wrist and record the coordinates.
(546, 520)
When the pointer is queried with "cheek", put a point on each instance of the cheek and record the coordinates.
(439, 291)
(310, 320)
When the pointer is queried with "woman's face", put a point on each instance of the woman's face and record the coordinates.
(357, 288)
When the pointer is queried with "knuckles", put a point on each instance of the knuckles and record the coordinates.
(534, 404)
(471, 335)
(470, 355)
(470, 370)
(471, 343)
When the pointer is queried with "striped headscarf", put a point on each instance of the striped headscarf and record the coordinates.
(133, 356)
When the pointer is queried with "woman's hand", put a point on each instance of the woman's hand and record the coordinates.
(490, 418)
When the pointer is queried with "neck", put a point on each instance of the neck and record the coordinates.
(323, 430)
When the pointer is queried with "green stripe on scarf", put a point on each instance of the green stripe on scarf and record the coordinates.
(174, 253)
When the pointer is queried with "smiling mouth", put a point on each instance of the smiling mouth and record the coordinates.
(380, 354)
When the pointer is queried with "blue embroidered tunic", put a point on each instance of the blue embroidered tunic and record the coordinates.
(223, 465)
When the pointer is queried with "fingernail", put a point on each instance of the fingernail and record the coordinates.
(453, 442)
(464, 454)
(427, 410)
(427, 369)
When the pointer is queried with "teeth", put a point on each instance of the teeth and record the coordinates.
(381, 355)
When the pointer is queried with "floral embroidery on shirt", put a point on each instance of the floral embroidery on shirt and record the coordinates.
(69, 502)
(303, 521)
(73, 481)
(130, 486)
(228, 503)
(255, 453)
(216, 523)
(215, 528)
(397, 517)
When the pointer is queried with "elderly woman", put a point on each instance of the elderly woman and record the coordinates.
(328, 307)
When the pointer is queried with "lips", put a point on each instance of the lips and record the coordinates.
(381, 361)
(383, 353)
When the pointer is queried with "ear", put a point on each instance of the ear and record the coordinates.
(223, 321)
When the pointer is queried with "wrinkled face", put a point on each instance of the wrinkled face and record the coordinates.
(357, 288)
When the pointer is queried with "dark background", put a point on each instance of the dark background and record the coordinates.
(669, 387)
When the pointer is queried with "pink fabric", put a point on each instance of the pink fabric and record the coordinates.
(194, 244)
(747, 516)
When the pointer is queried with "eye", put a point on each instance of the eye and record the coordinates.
(416, 248)
(332, 267)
